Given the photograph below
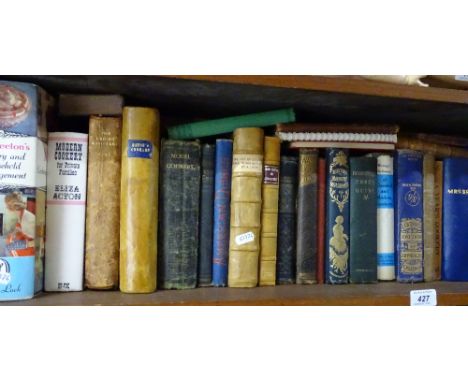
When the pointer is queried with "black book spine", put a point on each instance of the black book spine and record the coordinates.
(179, 214)
(206, 215)
(286, 262)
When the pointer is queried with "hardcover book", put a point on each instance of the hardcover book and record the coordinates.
(66, 209)
(363, 220)
(306, 237)
(438, 192)
(286, 261)
(102, 246)
(222, 208)
(321, 196)
(408, 190)
(337, 217)
(139, 200)
(270, 195)
(179, 214)
(429, 229)
(246, 205)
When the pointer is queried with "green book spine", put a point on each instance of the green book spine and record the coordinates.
(228, 125)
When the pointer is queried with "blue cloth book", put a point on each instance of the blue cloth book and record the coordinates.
(222, 210)
(455, 220)
(408, 200)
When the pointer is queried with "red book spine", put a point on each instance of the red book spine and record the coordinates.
(321, 174)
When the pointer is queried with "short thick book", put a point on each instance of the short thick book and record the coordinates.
(455, 220)
(221, 213)
(337, 217)
(429, 224)
(103, 203)
(139, 199)
(179, 214)
(246, 205)
(409, 244)
(363, 220)
(286, 259)
(66, 209)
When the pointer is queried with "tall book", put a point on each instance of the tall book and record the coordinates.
(455, 220)
(429, 224)
(321, 200)
(222, 208)
(337, 217)
(286, 259)
(385, 219)
(179, 214)
(246, 205)
(206, 215)
(438, 192)
(139, 199)
(408, 190)
(66, 210)
(270, 195)
(363, 220)
(306, 227)
(102, 249)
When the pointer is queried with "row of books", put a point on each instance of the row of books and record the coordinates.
(122, 208)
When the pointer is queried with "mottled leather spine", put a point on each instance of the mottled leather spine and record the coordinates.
(286, 261)
(206, 215)
(221, 213)
(430, 259)
(306, 254)
(179, 214)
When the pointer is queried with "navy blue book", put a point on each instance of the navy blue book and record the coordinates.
(455, 220)
(222, 210)
(337, 217)
(408, 167)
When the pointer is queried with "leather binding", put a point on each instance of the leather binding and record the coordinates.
(222, 208)
(306, 234)
(363, 220)
(321, 196)
(270, 196)
(455, 220)
(286, 260)
(438, 192)
(409, 247)
(139, 199)
(385, 219)
(246, 204)
(337, 217)
(438, 149)
(206, 215)
(102, 246)
(429, 233)
(179, 214)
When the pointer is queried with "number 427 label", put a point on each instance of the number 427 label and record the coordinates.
(423, 297)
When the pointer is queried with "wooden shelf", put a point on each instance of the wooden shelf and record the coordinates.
(385, 293)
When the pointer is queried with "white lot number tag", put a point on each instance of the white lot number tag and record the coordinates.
(423, 297)
(245, 238)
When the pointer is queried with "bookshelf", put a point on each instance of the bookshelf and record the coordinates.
(315, 98)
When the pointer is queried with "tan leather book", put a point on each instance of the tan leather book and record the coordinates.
(438, 192)
(270, 195)
(246, 205)
(439, 150)
(429, 218)
(139, 199)
(103, 203)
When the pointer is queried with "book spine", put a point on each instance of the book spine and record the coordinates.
(385, 219)
(363, 220)
(66, 210)
(321, 200)
(429, 234)
(270, 195)
(286, 262)
(222, 208)
(438, 192)
(179, 214)
(306, 234)
(206, 215)
(409, 215)
(102, 248)
(337, 217)
(246, 204)
(139, 199)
